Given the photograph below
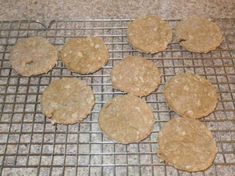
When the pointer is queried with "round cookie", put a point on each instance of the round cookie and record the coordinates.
(84, 55)
(190, 95)
(136, 75)
(33, 56)
(198, 34)
(149, 34)
(67, 101)
(187, 144)
(126, 119)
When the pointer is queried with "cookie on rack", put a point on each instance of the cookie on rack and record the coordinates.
(84, 55)
(67, 101)
(136, 75)
(187, 144)
(191, 95)
(149, 34)
(198, 34)
(126, 119)
(33, 56)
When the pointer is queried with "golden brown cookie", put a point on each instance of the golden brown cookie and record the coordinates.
(67, 101)
(190, 95)
(199, 34)
(84, 55)
(126, 119)
(33, 56)
(136, 75)
(187, 145)
(149, 34)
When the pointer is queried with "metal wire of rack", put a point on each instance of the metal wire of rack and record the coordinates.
(31, 145)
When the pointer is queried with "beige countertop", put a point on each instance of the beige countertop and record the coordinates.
(31, 145)
(47, 10)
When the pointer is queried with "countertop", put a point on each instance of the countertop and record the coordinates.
(47, 10)
(31, 145)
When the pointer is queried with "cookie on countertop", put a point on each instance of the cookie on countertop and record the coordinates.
(187, 144)
(149, 34)
(136, 75)
(198, 34)
(84, 55)
(33, 56)
(191, 95)
(126, 119)
(67, 101)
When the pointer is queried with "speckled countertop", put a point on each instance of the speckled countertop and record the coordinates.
(31, 145)
(47, 10)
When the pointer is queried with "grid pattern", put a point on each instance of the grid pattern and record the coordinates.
(31, 145)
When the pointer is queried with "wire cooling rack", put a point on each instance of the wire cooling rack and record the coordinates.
(31, 145)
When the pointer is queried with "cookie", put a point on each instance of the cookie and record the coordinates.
(136, 75)
(84, 55)
(187, 145)
(190, 95)
(33, 56)
(126, 119)
(67, 101)
(199, 34)
(149, 34)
